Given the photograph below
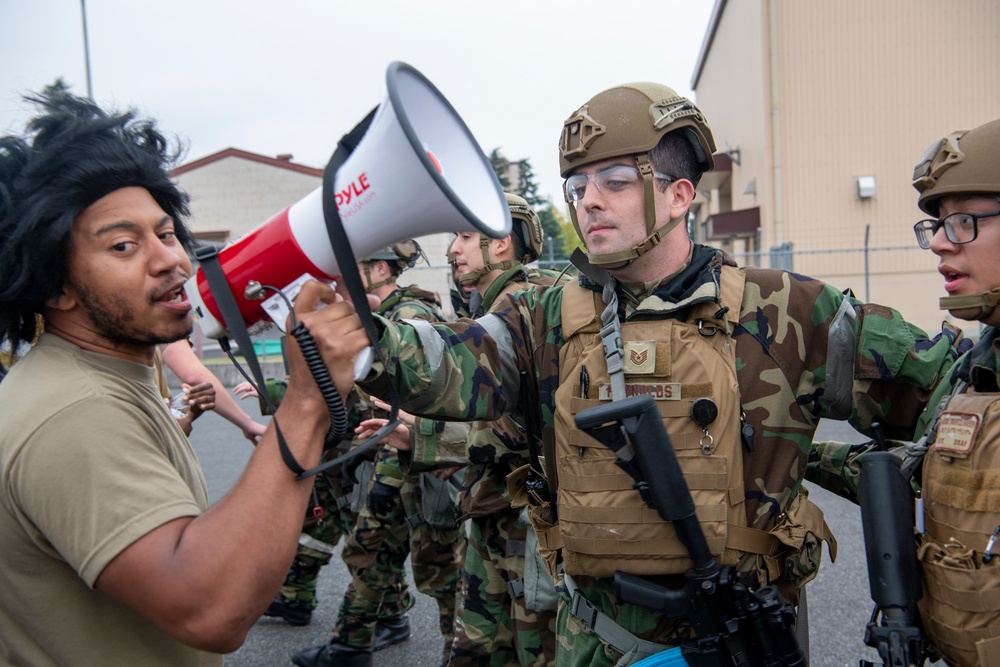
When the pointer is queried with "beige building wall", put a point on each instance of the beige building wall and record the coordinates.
(233, 194)
(815, 95)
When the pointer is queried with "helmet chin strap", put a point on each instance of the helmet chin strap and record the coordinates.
(986, 302)
(618, 260)
(473, 277)
(368, 279)
(621, 259)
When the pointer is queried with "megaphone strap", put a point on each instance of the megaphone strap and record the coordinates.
(349, 275)
(208, 256)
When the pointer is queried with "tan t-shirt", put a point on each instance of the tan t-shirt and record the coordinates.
(90, 461)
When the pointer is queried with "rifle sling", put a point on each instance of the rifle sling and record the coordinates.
(618, 638)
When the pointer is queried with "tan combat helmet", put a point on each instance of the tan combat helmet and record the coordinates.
(630, 120)
(400, 256)
(965, 162)
(528, 229)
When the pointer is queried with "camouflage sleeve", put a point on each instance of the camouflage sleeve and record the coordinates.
(387, 467)
(834, 466)
(466, 370)
(438, 444)
(501, 441)
(897, 366)
(845, 360)
(806, 351)
(413, 310)
(941, 394)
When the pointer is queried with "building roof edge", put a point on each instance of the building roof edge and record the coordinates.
(706, 44)
(281, 162)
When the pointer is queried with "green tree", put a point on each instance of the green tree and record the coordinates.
(567, 232)
(57, 86)
(501, 167)
(527, 187)
(553, 245)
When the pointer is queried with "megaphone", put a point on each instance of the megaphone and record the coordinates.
(417, 170)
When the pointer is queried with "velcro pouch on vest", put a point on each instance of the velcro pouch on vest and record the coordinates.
(539, 585)
(515, 486)
(802, 531)
(960, 606)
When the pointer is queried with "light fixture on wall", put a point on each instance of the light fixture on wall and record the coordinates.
(751, 187)
(865, 186)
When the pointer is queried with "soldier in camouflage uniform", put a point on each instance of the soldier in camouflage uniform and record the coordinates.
(460, 294)
(654, 313)
(398, 519)
(955, 463)
(505, 618)
(340, 492)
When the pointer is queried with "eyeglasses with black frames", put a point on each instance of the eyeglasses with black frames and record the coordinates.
(959, 228)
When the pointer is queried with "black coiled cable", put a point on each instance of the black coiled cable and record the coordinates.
(334, 404)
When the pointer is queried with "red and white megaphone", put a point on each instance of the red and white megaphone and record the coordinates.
(417, 171)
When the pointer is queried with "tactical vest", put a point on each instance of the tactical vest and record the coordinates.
(603, 524)
(960, 606)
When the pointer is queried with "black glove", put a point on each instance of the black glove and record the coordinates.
(381, 498)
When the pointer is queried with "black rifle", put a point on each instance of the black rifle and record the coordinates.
(893, 571)
(732, 624)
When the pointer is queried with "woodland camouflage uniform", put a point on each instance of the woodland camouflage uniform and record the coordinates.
(334, 489)
(376, 549)
(804, 351)
(495, 626)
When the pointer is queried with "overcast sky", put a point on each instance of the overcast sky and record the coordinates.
(292, 76)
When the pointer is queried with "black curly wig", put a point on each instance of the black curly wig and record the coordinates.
(72, 154)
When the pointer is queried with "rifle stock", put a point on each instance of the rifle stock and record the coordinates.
(893, 570)
(733, 625)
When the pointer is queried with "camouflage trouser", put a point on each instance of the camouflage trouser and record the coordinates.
(577, 646)
(495, 628)
(318, 540)
(375, 553)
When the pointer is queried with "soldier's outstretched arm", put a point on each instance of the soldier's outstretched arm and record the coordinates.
(834, 466)
(466, 370)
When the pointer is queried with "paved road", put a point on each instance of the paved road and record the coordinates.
(839, 600)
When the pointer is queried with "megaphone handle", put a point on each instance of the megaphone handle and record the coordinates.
(363, 363)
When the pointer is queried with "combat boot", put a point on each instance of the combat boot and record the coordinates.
(333, 655)
(389, 631)
(292, 614)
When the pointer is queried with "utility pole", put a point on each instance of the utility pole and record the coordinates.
(86, 49)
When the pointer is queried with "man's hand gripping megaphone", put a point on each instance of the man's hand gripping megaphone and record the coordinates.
(338, 334)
